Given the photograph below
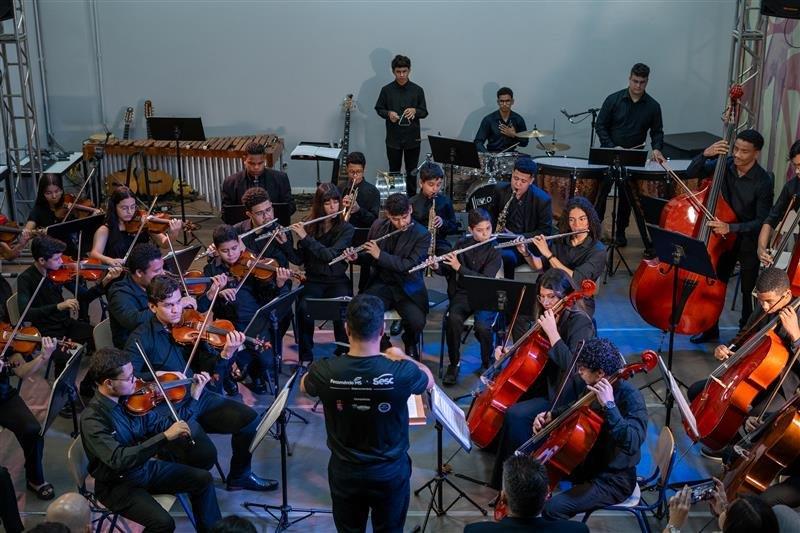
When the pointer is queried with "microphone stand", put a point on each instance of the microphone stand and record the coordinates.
(593, 111)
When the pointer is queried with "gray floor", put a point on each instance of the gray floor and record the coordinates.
(307, 485)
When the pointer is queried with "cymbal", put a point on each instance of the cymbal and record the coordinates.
(554, 147)
(534, 134)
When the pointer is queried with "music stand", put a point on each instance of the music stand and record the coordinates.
(617, 159)
(64, 231)
(63, 393)
(278, 413)
(448, 416)
(327, 309)
(498, 294)
(177, 129)
(682, 252)
(184, 257)
(231, 214)
(454, 152)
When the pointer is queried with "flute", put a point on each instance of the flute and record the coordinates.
(433, 260)
(529, 240)
(361, 248)
(306, 223)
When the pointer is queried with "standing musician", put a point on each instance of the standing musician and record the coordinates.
(431, 177)
(317, 245)
(623, 122)
(256, 174)
(367, 203)
(521, 208)
(390, 262)
(241, 306)
(122, 450)
(608, 475)
(566, 334)
(747, 187)
(791, 189)
(364, 395)
(481, 261)
(581, 256)
(498, 130)
(402, 105)
(16, 416)
(112, 241)
(215, 414)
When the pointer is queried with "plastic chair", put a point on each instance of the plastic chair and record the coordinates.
(13, 308)
(102, 334)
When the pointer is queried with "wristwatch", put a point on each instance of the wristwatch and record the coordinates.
(611, 405)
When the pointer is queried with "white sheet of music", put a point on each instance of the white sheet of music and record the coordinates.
(680, 400)
(309, 150)
(451, 416)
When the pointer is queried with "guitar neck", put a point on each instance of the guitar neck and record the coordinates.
(126, 132)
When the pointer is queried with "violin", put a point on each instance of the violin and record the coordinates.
(155, 224)
(147, 394)
(196, 282)
(83, 208)
(28, 339)
(264, 270)
(91, 270)
(192, 320)
(10, 231)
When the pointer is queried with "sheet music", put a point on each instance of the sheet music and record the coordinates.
(451, 416)
(680, 400)
(318, 152)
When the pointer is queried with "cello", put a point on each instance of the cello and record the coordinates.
(702, 298)
(526, 360)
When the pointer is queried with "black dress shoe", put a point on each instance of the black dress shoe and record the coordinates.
(412, 351)
(396, 328)
(230, 386)
(451, 376)
(259, 386)
(621, 241)
(252, 482)
(709, 335)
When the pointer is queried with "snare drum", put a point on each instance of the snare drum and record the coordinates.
(501, 164)
(481, 194)
(652, 180)
(390, 183)
(565, 177)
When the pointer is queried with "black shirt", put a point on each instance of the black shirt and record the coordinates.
(282, 253)
(276, 184)
(790, 189)
(529, 524)
(314, 253)
(119, 242)
(587, 261)
(397, 98)
(364, 398)
(530, 215)
(623, 122)
(369, 204)
(250, 298)
(421, 208)
(489, 132)
(481, 261)
(42, 216)
(127, 308)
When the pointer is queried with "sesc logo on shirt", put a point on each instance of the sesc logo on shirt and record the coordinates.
(383, 379)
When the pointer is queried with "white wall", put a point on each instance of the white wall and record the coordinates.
(284, 67)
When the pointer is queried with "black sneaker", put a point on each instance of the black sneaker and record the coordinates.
(451, 375)
(230, 386)
(396, 328)
(621, 241)
(709, 335)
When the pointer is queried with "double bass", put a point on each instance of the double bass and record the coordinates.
(528, 357)
(689, 214)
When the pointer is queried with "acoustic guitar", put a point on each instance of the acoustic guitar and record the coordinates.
(151, 181)
(120, 177)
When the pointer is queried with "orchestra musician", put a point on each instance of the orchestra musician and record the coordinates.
(259, 211)
(498, 130)
(431, 177)
(481, 261)
(366, 206)
(367, 421)
(401, 104)
(581, 256)
(747, 187)
(16, 416)
(390, 261)
(317, 245)
(608, 474)
(623, 122)
(521, 208)
(215, 414)
(790, 190)
(256, 174)
(566, 334)
(122, 450)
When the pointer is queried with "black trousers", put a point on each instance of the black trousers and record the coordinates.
(517, 428)
(16, 416)
(511, 260)
(396, 157)
(384, 490)
(786, 492)
(9, 513)
(609, 488)
(748, 272)
(132, 497)
(306, 325)
(623, 205)
(78, 331)
(413, 318)
(458, 312)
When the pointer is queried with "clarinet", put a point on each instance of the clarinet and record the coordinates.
(432, 230)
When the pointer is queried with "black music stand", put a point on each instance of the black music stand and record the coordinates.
(178, 129)
(454, 152)
(498, 294)
(184, 257)
(63, 393)
(327, 309)
(66, 231)
(278, 413)
(617, 159)
(231, 214)
(682, 252)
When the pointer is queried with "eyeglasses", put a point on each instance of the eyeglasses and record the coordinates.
(263, 212)
(129, 379)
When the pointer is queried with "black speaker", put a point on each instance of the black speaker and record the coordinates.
(788, 9)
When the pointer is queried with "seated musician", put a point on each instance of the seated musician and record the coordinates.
(566, 333)
(525, 488)
(431, 177)
(581, 256)
(747, 187)
(608, 474)
(259, 210)
(521, 208)
(790, 190)
(317, 245)
(16, 416)
(215, 414)
(481, 261)
(390, 261)
(122, 450)
(10, 250)
(50, 312)
(112, 241)
(256, 174)
(367, 203)
(498, 130)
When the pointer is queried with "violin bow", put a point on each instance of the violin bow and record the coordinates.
(692, 194)
(171, 407)
(274, 233)
(78, 265)
(177, 265)
(514, 319)
(22, 317)
(776, 388)
(139, 232)
(201, 331)
(775, 244)
(80, 191)
(567, 376)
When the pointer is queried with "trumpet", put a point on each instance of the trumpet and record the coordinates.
(352, 195)
(518, 241)
(432, 230)
(431, 261)
(305, 223)
(361, 248)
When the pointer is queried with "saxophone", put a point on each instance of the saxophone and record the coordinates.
(501, 219)
(432, 230)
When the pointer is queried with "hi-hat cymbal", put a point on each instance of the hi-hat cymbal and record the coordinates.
(534, 134)
(554, 147)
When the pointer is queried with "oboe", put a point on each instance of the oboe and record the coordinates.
(361, 248)
(529, 240)
(433, 260)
